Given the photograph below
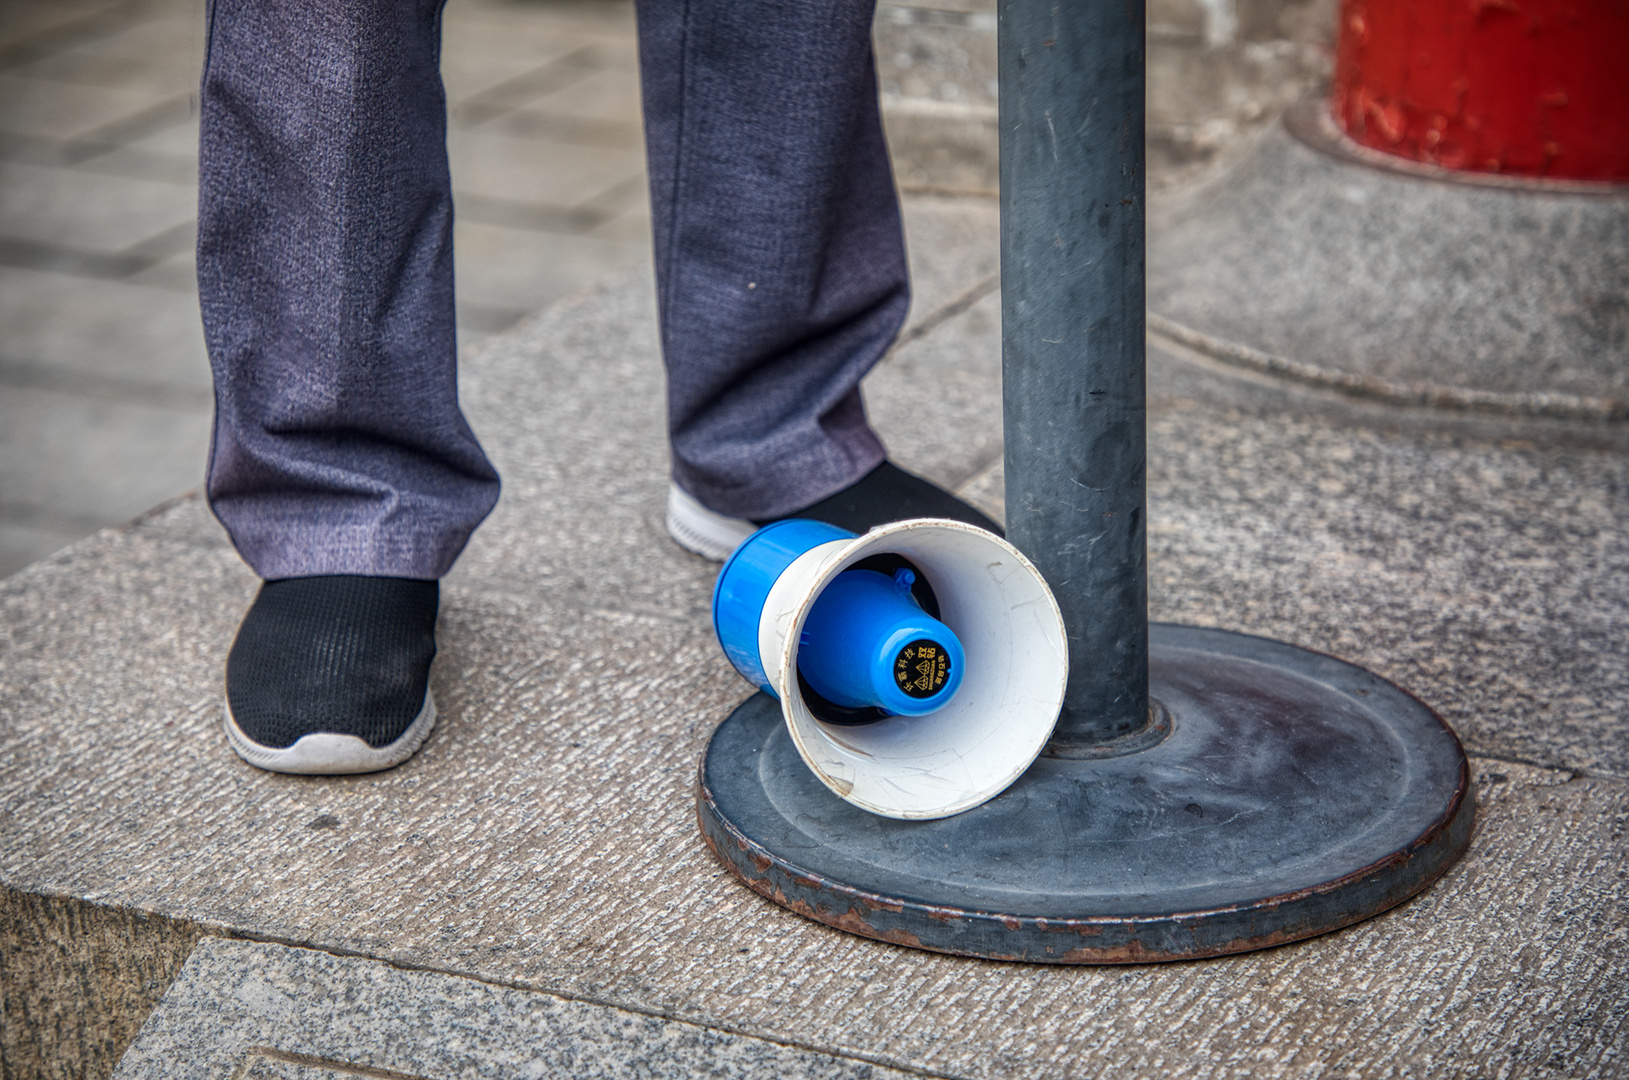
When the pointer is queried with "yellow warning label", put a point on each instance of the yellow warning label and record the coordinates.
(922, 668)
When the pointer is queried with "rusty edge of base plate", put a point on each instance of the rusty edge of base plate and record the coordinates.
(1094, 939)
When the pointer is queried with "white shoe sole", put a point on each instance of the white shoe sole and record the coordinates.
(328, 754)
(696, 528)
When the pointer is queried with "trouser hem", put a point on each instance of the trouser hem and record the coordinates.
(317, 552)
(787, 485)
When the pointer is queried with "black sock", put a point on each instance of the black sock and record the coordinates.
(888, 493)
(343, 654)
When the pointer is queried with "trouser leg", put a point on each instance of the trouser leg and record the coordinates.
(780, 259)
(325, 278)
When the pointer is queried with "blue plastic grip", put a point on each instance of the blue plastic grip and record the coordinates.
(744, 583)
(866, 643)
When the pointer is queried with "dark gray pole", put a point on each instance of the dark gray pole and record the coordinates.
(1072, 337)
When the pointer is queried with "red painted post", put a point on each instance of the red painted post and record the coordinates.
(1521, 87)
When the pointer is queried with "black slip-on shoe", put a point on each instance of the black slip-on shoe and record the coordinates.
(885, 494)
(331, 675)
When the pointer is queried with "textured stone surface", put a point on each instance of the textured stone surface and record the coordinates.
(243, 1008)
(545, 837)
(83, 210)
(1481, 564)
(106, 339)
(76, 979)
(1485, 567)
(1299, 254)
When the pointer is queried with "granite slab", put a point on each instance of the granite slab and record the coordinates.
(545, 840)
(1299, 254)
(253, 1009)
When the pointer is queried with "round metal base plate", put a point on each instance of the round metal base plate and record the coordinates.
(1293, 794)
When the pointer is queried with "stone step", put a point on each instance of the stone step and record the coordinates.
(545, 840)
(1356, 273)
(252, 1009)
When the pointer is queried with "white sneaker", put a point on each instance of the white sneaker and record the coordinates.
(705, 532)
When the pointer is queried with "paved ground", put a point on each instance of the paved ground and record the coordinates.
(257, 1011)
(544, 841)
(104, 386)
(545, 838)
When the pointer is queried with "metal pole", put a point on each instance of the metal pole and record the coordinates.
(1132, 859)
(1072, 337)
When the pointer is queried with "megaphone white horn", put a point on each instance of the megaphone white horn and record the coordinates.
(920, 667)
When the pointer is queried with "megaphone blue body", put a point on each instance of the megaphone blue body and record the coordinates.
(743, 588)
(867, 646)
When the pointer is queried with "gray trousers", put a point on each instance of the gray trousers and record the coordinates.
(325, 270)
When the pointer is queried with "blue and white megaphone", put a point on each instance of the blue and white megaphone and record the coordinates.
(920, 667)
